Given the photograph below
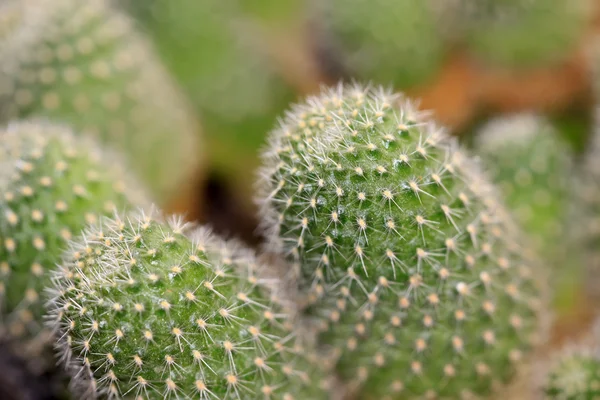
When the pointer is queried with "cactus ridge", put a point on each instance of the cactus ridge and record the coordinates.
(412, 269)
(82, 63)
(144, 311)
(52, 183)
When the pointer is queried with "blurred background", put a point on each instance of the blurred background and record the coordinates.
(241, 63)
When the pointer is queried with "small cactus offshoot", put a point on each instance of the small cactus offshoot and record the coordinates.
(143, 311)
(83, 64)
(52, 183)
(388, 41)
(411, 267)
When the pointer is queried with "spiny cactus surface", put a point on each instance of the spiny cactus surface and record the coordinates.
(411, 267)
(522, 33)
(82, 63)
(52, 183)
(532, 165)
(390, 42)
(146, 312)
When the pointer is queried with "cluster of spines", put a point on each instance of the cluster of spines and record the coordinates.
(410, 265)
(84, 64)
(391, 42)
(532, 167)
(53, 183)
(143, 311)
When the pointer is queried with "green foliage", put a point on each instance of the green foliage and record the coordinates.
(388, 41)
(143, 310)
(522, 33)
(81, 63)
(412, 268)
(52, 184)
(574, 375)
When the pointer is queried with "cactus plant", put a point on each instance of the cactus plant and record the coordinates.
(52, 184)
(521, 33)
(82, 63)
(412, 269)
(390, 42)
(225, 70)
(532, 166)
(144, 311)
(573, 375)
(586, 211)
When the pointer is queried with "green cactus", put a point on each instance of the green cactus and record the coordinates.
(227, 73)
(574, 374)
(143, 311)
(388, 41)
(52, 184)
(411, 267)
(586, 211)
(522, 33)
(82, 63)
(531, 164)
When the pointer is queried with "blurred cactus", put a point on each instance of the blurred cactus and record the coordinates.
(81, 63)
(146, 312)
(574, 375)
(412, 269)
(521, 33)
(217, 57)
(52, 184)
(387, 41)
(531, 164)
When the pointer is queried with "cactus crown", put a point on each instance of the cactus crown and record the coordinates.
(143, 310)
(52, 184)
(411, 267)
(82, 63)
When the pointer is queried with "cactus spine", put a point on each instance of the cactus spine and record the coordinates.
(391, 42)
(52, 184)
(81, 63)
(146, 312)
(411, 267)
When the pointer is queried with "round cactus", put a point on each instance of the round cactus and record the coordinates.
(522, 33)
(390, 42)
(532, 166)
(227, 74)
(412, 269)
(144, 311)
(52, 184)
(82, 63)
